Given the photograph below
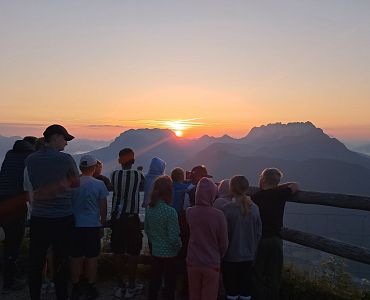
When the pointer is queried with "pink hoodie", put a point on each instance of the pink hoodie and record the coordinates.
(208, 228)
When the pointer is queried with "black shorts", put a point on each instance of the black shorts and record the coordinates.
(127, 237)
(86, 242)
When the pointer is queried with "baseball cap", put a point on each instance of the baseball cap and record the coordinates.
(57, 129)
(87, 161)
(201, 170)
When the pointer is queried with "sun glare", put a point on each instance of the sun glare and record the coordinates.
(178, 133)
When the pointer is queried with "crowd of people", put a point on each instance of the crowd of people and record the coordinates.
(202, 236)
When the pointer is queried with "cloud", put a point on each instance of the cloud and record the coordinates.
(105, 126)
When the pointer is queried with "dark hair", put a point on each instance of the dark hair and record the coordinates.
(178, 174)
(30, 139)
(125, 151)
(162, 190)
(238, 187)
(40, 143)
(126, 156)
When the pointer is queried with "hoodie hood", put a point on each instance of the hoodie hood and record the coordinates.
(206, 192)
(22, 146)
(224, 189)
(157, 167)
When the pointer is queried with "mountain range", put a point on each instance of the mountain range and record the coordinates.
(301, 150)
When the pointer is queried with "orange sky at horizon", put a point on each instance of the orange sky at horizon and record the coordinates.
(106, 67)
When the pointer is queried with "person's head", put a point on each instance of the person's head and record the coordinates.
(40, 143)
(224, 188)
(157, 166)
(162, 190)
(270, 178)
(238, 188)
(98, 168)
(56, 136)
(88, 164)
(178, 175)
(197, 173)
(205, 194)
(31, 140)
(126, 157)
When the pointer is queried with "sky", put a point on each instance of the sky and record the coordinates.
(102, 67)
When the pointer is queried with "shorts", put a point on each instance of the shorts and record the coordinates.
(86, 242)
(126, 237)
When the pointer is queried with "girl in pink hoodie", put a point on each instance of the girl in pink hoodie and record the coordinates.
(208, 242)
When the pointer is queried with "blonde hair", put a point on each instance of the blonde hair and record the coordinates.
(271, 176)
(238, 188)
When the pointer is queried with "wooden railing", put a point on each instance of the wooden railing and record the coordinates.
(331, 246)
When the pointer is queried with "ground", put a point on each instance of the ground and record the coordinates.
(106, 289)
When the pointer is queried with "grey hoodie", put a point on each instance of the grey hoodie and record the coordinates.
(244, 233)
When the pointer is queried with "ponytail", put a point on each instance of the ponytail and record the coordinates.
(245, 204)
(238, 187)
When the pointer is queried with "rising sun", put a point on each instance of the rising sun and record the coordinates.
(178, 133)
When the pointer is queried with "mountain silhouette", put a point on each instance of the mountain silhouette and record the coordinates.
(301, 150)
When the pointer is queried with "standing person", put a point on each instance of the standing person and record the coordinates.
(50, 177)
(208, 243)
(196, 174)
(156, 169)
(126, 238)
(162, 229)
(90, 212)
(271, 199)
(98, 175)
(13, 203)
(244, 230)
(180, 189)
(223, 195)
(180, 201)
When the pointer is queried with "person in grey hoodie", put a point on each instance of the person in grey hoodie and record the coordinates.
(244, 231)
(156, 169)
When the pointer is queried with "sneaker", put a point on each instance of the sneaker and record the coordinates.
(119, 292)
(132, 292)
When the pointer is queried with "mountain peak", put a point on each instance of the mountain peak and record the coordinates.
(279, 130)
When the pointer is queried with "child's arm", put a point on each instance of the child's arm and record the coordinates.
(292, 185)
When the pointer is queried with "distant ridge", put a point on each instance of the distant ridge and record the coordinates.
(300, 149)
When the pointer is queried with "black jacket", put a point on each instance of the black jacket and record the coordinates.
(11, 173)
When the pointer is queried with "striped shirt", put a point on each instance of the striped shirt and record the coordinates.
(126, 187)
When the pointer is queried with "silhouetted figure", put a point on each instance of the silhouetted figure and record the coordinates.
(13, 207)
(196, 174)
(50, 177)
(223, 195)
(208, 242)
(162, 229)
(156, 169)
(98, 175)
(126, 238)
(271, 199)
(244, 231)
(90, 212)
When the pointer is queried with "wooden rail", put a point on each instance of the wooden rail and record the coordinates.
(329, 199)
(335, 247)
